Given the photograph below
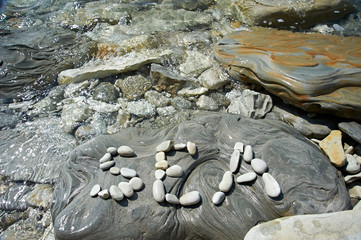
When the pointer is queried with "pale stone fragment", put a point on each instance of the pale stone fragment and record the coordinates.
(259, 166)
(114, 170)
(190, 198)
(112, 150)
(239, 146)
(227, 181)
(95, 190)
(158, 191)
(116, 193)
(171, 198)
(234, 162)
(128, 173)
(174, 171)
(165, 146)
(271, 186)
(352, 165)
(248, 153)
(218, 197)
(136, 183)
(159, 174)
(105, 166)
(247, 177)
(125, 151)
(192, 148)
(161, 165)
(104, 194)
(126, 189)
(105, 158)
(159, 156)
(180, 146)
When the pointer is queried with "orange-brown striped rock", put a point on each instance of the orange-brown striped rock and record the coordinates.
(314, 72)
(332, 146)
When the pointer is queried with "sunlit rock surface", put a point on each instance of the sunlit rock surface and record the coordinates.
(314, 72)
(308, 181)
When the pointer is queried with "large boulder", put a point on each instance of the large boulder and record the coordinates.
(308, 182)
(314, 72)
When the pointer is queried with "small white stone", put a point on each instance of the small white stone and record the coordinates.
(105, 158)
(128, 173)
(104, 194)
(126, 189)
(248, 153)
(95, 190)
(114, 170)
(105, 166)
(171, 198)
(351, 178)
(158, 191)
(159, 174)
(161, 165)
(247, 177)
(125, 151)
(352, 165)
(180, 146)
(174, 171)
(227, 181)
(160, 156)
(136, 183)
(271, 186)
(190, 198)
(116, 193)
(192, 148)
(112, 150)
(239, 146)
(234, 162)
(165, 146)
(218, 197)
(259, 166)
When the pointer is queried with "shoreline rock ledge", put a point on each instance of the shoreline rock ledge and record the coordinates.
(315, 72)
(309, 183)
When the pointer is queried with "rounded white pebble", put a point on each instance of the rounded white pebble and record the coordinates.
(192, 148)
(180, 146)
(128, 173)
(159, 174)
(190, 198)
(271, 186)
(136, 183)
(125, 151)
(114, 170)
(259, 166)
(126, 189)
(174, 171)
(247, 177)
(248, 153)
(171, 198)
(158, 191)
(116, 193)
(165, 146)
(218, 197)
(95, 190)
(105, 166)
(104, 194)
(234, 162)
(239, 146)
(112, 150)
(160, 156)
(161, 165)
(105, 158)
(227, 181)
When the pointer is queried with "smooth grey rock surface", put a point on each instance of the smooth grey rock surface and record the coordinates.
(309, 182)
(352, 129)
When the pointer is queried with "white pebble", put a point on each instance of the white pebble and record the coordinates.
(227, 181)
(161, 165)
(190, 198)
(352, 166)
(114, 170)
(180, 146)
(248, 153)
(234, 162)
(112, 150)
(259, 166)
(171, 198)
(160, 156)
(104, 194)
(126, 189)
(158, 191)
(239, 146)
(136, 183)
(116, 193)
(105, 158)
(95, 190)
(218, 197)
(128, 173)
(125, 151)
(247, 177)
(105, 166)
(174, 171)
(191, 147)
(271, 186)
(159, 174)
(165, 146)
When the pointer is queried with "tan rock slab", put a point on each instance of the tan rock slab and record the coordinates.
(332, 146)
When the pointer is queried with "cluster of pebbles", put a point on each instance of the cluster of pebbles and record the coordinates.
(259, 166)
(163, 169)
(124, 189)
